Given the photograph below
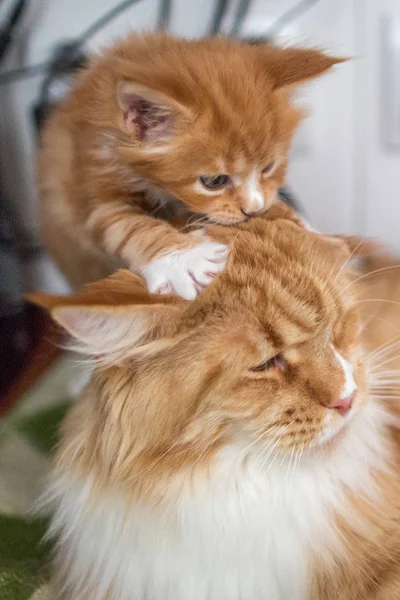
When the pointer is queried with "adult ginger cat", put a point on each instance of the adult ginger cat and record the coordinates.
(244, 446)
(162, 132)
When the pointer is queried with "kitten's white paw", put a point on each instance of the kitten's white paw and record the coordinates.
(186, 272)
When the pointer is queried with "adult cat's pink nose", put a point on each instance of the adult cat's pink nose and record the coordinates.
(344, 404)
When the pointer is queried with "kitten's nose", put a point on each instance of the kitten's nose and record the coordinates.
(251, 212)
(253, 203)
(343, 405)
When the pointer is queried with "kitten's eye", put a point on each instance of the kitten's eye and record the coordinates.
(276, 361)
(269, 168)
(215, 182)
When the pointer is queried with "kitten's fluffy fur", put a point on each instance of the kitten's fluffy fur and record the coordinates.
(190, 471)
(122, 157)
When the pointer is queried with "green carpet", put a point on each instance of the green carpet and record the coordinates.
(28, 436)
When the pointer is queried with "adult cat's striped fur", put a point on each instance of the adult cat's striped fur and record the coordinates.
(244, 446)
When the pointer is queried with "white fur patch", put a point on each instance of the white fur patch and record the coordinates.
(350, 385)
(241, 531)
(186, 272)
(254, 201)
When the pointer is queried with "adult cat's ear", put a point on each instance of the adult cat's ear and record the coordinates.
(292, 66)
(149, 115)
(113, 318)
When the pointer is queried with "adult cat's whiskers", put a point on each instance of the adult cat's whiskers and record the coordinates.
(342, 268)
(260, 455)
(382, 349)
(298, 458)
(262, 449)
(385, 396)
(377, 300)
(242, 453)
(246, 449)
(387, 381)
(371, 316)
(386, 388)
(388, 375)
(370, 274)
(290, 460)
(385, 384)
(272, 448)
(377, 367)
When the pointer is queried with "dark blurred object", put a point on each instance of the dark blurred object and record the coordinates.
(164, 17)
(18, 328)
(8, 27)
(286, 195)
(164, 14)
(45, 341)
(16, 337)
(67, 60)
(76, 45)
(219, 13)
(41, 112)
(240, 16)
(28, 339)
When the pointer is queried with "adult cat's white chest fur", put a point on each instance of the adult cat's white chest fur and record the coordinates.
(243, 533)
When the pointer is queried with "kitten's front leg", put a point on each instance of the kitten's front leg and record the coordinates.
(186, 271)
(171, 262)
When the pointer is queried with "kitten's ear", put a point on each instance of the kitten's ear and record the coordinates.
(113, 318)
(148, 115)
(292, 66)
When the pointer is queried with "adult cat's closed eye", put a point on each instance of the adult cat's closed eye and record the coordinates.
(244, 446)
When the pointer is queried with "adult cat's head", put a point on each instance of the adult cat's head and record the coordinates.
(267, 356)
(207, 121)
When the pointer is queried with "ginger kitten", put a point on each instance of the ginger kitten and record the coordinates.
(161, 133)
(244, 446)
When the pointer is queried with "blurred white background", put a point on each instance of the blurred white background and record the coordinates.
(345, 168)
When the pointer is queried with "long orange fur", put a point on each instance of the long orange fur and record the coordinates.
(110, 196)
(187, 384)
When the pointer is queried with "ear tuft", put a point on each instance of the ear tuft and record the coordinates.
(121, 288)
(292, 66)
(99, 330)
(113, 318)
